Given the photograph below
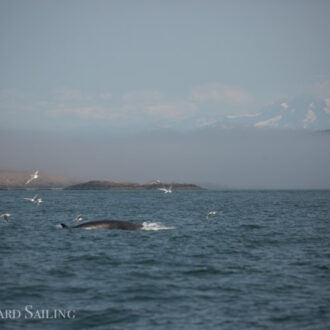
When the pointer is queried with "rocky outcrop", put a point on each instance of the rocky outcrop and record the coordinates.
(111, 185)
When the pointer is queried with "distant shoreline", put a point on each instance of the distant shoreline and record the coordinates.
(109, 185)
(46, 182)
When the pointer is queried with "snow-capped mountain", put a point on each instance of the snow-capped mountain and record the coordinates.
(297, 113)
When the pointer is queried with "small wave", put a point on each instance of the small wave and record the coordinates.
(148, 225)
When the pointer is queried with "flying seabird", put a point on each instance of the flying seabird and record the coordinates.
(5, 216)
(33, 176)
(210, 214)
(166, 190)
(33, 200)
(78, 218)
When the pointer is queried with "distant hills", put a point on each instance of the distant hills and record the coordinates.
(16, 181)
(302, 112)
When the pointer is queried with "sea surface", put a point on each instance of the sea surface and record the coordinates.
(262, 262)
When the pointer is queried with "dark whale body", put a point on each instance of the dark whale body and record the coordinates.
(107, 224)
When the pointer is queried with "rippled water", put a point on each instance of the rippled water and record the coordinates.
(262, 262)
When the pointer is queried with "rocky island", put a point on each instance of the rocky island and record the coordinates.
(113, 185)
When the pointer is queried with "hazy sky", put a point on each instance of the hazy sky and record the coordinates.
(124, 66)
(210, 157)
(130, 90)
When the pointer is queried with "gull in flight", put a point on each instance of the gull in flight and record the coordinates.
(33, 200)
(78, 217)
(166, 190)
(38, 201)
(210, 214)
(5, 216)
(155, 182)
(33, 176)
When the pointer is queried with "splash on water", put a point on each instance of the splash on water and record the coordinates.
(149, 225)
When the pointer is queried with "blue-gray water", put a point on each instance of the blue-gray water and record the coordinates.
(263, 262)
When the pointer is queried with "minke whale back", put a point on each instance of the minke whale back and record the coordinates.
(106, 224)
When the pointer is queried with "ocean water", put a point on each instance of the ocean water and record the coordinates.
(262, 262)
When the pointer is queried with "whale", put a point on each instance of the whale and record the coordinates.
(106, 224)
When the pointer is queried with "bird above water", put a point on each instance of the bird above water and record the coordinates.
(5, 216)
(33, 200)
(166, 190)
(33, 176)
(79, 217)
(210, 214)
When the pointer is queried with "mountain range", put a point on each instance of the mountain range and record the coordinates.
(302, 112)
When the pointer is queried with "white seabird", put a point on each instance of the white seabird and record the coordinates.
(33, 200)
(33, 176)
(79, 217)
(166, 190)
(5, 216)
(210, 214)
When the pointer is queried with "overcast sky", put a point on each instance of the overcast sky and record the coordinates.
(124, 90)
(129, 65)
(210, 157)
